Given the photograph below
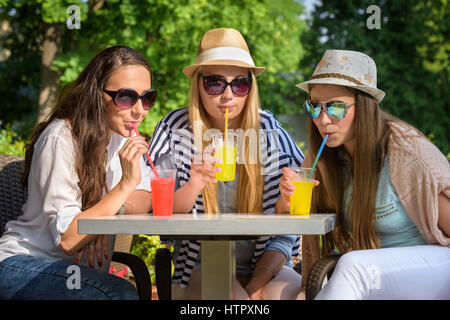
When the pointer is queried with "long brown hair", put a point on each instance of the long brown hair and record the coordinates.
(250, 188)
(335, 172)
(83, 105)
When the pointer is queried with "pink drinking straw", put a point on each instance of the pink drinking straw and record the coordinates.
(148, 156)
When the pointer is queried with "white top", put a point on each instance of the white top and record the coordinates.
(54, 197)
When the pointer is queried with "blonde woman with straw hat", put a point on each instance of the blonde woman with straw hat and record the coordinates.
(389, 186)
(223, 83)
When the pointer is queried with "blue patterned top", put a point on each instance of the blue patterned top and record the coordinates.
(393, 226)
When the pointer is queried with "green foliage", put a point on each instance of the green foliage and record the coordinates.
(410, 50)
(167, 33)
(54, 11)
(20, 72)
(301, 145)
(145, 247)
(11, 143)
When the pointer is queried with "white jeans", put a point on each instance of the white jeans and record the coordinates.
(285, 285)
(419, 272)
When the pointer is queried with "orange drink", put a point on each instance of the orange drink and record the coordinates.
(162, 192)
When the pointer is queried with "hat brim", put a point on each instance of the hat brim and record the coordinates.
(374, 92)
(189, 70)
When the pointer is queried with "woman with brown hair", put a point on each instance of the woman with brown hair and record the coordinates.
(223, 81)
(84, 161)
(389, 186)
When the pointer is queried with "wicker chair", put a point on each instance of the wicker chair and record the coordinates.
(12, 198)
(322, 268)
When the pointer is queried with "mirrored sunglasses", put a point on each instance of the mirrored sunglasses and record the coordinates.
(336, 109)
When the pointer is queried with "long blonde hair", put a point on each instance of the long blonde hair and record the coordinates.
(250, 187)
(334, 173)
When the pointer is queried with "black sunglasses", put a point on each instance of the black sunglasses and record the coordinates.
(215, 85)
(336, 109)
(125, 98)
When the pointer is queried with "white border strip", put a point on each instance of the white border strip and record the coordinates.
(225, 53)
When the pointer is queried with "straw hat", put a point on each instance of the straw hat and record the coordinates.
(225, 47)
(346, 68)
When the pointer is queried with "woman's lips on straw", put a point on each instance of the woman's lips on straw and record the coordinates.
(223, 108)
(129, 124)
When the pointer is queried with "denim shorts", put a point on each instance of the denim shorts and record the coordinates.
(28, 278)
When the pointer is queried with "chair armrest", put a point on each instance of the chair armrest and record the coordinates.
(140, 273)
(163, 273)
(322, 268)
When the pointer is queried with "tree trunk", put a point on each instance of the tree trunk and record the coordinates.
(51, 49)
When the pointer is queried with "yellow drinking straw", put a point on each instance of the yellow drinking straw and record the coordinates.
(226, 125)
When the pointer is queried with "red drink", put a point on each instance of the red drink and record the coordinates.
(162, 196)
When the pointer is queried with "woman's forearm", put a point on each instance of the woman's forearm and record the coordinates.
(444, 213)
(71, 241)
(269, 264)
(185, 197)
(139, 201)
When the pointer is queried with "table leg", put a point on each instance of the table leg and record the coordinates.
(218, 270)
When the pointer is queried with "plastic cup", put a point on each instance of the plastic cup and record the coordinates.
(227, 151)
(163, 186)
(300, 201)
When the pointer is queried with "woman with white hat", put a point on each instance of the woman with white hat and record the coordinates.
(388, 184)
(224, 78)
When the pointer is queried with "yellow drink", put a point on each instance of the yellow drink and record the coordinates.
(228, 155)
(300, 202)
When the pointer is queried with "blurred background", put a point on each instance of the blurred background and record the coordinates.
(41, 52)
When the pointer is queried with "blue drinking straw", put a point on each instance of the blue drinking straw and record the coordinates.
(317, 157)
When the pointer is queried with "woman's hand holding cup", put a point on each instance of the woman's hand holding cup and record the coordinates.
(203, 169)
(287, 188)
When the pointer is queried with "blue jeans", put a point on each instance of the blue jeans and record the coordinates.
(25, 277)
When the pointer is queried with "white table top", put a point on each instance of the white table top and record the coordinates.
(209, 224)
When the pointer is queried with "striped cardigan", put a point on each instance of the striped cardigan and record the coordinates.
(173, 135)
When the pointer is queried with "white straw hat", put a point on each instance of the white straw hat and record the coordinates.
(346, 68)
(223, 46)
